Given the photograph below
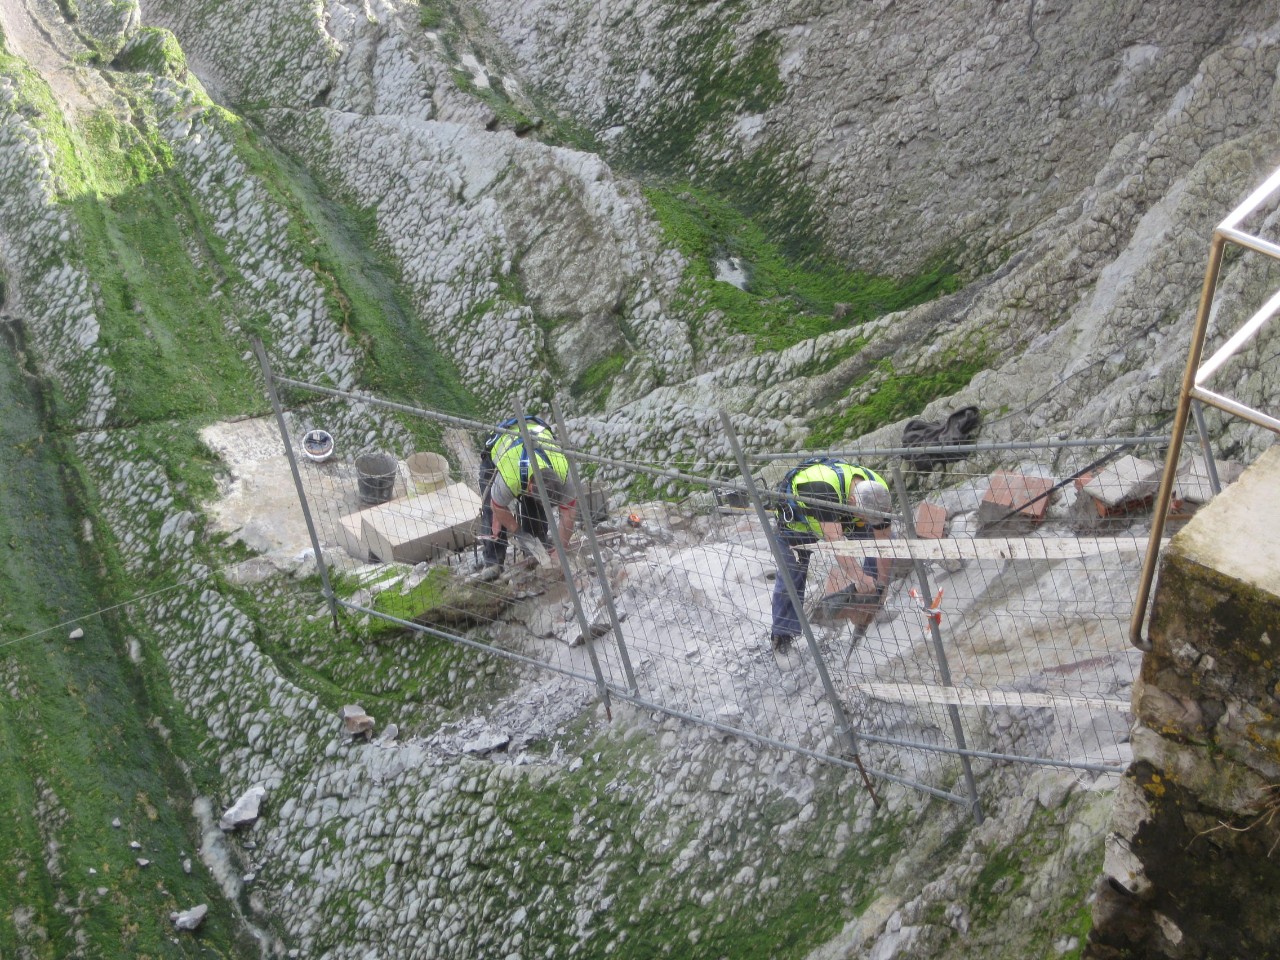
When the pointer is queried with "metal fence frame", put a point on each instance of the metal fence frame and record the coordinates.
(630, 692)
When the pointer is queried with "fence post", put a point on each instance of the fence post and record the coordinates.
(553, 526)
(297, 478)
(779, 559)
(1197, 411)
(940, 654)
(589, 531)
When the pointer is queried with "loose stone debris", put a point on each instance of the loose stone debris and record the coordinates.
(245, 810)
(189, 919)
(356, 722)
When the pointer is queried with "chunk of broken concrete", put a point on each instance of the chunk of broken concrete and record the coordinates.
(245, 810)
(1193, 483)
(189, 919)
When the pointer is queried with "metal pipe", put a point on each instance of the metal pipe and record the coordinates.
(779, 558)
(670, 474)
(1160, 507)
(1251, 202)
(1210, 465)
(553, 526)
(939, 652)
(589, 532)
(297, 478)
(387, 404)
(1237, 340)
(989, 755)
(867, 452)
(1237, 408)
(1250, 242)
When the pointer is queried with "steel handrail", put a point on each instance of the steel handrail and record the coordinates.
(1197, 374)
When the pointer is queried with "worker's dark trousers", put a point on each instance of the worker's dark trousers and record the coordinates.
(796, 558)
(528, 510)
(796, 555)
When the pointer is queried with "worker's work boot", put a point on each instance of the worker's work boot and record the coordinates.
(489, 573)
(781, 642)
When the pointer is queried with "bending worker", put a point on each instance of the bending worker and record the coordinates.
(805, 516)
(509, 487)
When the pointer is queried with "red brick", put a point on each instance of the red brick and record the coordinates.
(931, 521)
(1009, 490)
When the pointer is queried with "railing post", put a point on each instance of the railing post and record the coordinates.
(589, 531)
(1160, 507)
(940, 653)
(779, 559)
(553, 526)
(297, 478)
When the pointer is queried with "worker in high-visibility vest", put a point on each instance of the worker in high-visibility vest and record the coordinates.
(509, 491)
(805, 517)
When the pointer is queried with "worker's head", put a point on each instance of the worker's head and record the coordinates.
(873, 496)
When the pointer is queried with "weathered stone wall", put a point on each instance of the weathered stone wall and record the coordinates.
(1191, 869)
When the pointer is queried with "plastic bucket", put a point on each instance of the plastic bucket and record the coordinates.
(427, 471)
(375, 477)
(317, 445)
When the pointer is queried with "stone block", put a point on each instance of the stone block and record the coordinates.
(1012, 495)
(351, 537)
(1196, 815)
(417, 528)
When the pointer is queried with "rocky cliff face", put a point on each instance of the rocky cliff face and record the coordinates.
(459, 206)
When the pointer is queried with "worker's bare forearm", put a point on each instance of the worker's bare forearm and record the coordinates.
(567, 516)
(503, 519)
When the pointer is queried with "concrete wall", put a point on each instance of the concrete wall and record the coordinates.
(1193, 861)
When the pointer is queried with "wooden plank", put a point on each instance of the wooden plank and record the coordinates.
(917, 693)
(991, 548)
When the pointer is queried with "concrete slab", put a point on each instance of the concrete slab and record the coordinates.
(1129, 480)
(1233, 535)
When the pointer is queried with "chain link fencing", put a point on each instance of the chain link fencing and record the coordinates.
(1000, 640)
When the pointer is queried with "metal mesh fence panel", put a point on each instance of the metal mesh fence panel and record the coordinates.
(1001, 635)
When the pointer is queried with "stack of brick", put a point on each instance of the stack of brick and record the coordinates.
(1014, 496)
(1130, 485)
(1126, 486)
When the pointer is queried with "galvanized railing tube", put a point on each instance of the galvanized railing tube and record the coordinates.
(1197, 411)
(939, 652)
(780, 561)
(589, 533)
(1160, 508)
(566, 569)
(269, 377)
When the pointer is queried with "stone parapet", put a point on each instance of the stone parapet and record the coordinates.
(1191, 867)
